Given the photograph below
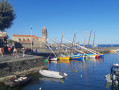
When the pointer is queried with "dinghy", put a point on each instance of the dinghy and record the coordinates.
(53, 59)
(52, 74)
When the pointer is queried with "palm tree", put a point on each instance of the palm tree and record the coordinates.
(7, 15)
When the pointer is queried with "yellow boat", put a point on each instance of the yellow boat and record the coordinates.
(112, 51)
(64, 58)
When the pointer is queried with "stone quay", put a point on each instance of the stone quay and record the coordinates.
(19, 65)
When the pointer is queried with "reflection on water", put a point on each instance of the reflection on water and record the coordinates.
(50, 79)
(87, 74)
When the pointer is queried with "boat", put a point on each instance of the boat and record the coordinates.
(63, 57)
(113, 76)
(20, 80)
(90, 55)
(112, 51)
(101, 55)
(76, 57)
(52, 74)
(53, 59)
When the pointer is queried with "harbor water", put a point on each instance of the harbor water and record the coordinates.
(82, 75)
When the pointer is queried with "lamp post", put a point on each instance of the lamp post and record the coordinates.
(31, 38)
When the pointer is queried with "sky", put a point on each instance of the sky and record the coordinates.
(68, 17)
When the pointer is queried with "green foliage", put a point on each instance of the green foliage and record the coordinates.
(7, 15)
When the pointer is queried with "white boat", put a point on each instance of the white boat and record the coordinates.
(52, 74)
(113, 77)
(53, 59)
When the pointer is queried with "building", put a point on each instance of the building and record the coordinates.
(31, 41)
(3, 39)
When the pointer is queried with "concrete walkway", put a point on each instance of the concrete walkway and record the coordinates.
(11, 58)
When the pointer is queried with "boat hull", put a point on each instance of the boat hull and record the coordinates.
(53, 59)
(64, 58)
(76, 58)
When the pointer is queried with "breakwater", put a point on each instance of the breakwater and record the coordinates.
(47, 52)
(20, 66)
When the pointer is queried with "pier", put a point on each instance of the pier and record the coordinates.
(11, 65)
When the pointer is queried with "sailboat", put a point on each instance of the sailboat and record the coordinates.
(62, 56)
(52, 58)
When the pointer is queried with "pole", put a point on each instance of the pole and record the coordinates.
(31, 38)
(89, 38)
(94, 40)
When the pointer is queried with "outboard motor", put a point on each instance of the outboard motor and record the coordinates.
(62, 74)
(114, 79)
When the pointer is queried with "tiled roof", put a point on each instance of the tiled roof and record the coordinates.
(16, 35)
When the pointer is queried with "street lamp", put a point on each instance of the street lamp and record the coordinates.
(31, 38)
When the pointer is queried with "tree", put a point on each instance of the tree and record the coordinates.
(7, 15)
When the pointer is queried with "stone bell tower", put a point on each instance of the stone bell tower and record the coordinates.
(44, 32)
(44, 37)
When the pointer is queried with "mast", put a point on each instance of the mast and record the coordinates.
(89, 38)
(84, 41)
(94, 40)
(60, 44)
(73, 43)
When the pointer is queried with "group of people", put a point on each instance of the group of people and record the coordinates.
(9, 51)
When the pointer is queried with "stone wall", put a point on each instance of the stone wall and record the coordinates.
(9, 68)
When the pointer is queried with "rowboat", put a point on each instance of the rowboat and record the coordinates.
(112, 51)
(101, 55)
(63, 58)
(90, 55)
(17, 81)
(76, 57)
(53, 59)
(52, 74)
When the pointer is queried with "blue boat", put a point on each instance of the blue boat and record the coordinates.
(76, 57)
(101, 56)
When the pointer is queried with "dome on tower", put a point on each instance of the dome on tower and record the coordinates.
(44, 29)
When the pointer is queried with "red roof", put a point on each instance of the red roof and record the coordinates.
(16, 35)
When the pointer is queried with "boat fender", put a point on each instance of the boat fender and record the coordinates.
(81, 75)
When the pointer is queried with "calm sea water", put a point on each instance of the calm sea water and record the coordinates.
(82, 75)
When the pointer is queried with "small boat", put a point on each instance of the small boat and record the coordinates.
(90, 55)
(17, 81)
(52, 74)
(53, 59)
(64, 57)
(76, 57)
(113, 77)
(112, 51)
(101, 55)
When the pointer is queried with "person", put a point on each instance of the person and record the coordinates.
(1, 51)
(9, 50)
(15, 52)
(23, 52)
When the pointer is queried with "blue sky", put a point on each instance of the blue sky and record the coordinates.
(68, 17)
